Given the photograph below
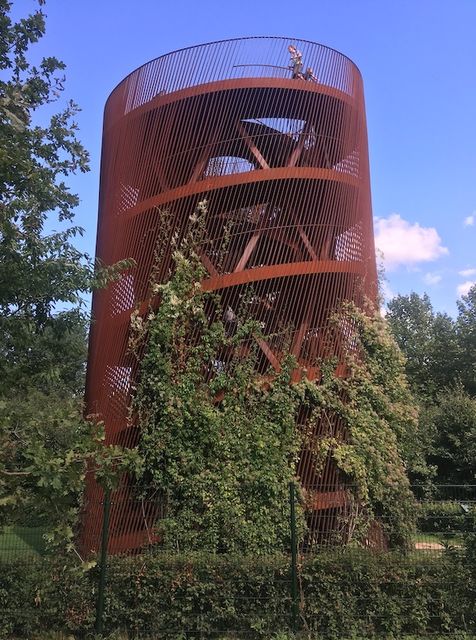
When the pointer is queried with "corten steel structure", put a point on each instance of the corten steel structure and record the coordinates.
(280, 155)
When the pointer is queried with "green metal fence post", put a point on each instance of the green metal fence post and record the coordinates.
(294, 572)
(103, 563)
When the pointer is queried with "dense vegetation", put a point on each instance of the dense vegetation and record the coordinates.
(44, 442)
(343, 595)
(219, 441)
(441, 369)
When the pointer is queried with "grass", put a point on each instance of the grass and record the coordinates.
(18, 541)
(442, 539)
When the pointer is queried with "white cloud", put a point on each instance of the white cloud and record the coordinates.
(469, 220)
(467, 273)
(463, 289)
(406, 244)
(431, 278)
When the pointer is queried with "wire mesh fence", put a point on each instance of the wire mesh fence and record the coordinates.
(19, 541)
(442, 516)
(437, 517)
(339, 577)
(330, 520)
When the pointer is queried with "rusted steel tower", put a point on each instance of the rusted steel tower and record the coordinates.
(271, 132)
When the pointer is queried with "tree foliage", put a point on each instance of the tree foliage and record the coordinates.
(466, 330)
(441, 367)
(451, 424)
(39, 269)
(440, 351)
(428, 341)
(45, 443)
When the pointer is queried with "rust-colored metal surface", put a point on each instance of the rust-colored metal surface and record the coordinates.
(277, 145)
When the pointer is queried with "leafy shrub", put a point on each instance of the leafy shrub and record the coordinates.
(343, 594)
(446, 518)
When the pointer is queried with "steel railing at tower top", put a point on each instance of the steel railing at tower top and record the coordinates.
(253, 57)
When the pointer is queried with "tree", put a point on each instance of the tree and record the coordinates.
(38, 269)
(411, 321)
(50, 357)
(466, 331)
(429, 342)
(441, 357)
(45, 442)
(446, 353)
(451, 421)
(42, 268)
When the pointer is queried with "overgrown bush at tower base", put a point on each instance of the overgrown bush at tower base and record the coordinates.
(218, 440)
(221, 434)
(349, 594)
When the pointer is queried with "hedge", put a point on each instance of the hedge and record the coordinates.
(345, 594)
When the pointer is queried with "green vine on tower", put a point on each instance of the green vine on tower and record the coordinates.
(219, 440)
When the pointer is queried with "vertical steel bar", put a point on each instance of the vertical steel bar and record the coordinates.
(103, 563)
(294, 568)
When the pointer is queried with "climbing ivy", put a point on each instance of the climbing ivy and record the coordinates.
(380, 419)
(219, 441)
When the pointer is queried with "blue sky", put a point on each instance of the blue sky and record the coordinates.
(418, 60)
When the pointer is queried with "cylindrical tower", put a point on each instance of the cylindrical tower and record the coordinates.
(278, 148)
